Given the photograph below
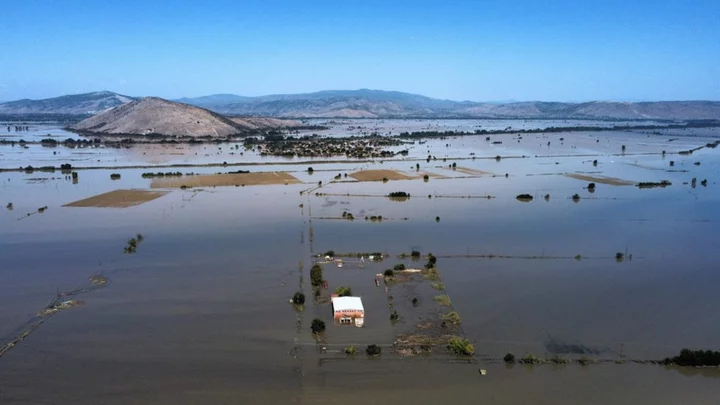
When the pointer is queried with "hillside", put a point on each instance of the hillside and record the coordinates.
(391, 104)
(76, 104)
(366, 103)
(152, 115)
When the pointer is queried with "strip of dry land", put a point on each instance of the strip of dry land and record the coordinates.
(230, 179)
(601, 179)
(379, 175)
(118, 199)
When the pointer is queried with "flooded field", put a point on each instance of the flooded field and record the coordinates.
(199, 311)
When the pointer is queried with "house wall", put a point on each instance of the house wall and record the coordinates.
(351, 313)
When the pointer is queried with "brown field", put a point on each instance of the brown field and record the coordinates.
(601, 179)
(238, 179)
(118, 199)
(378, 175)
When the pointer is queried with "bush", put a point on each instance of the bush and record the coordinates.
(415, 254)
(310, 170)
(298, 298)
(524, 197)
(394, 316)
(115, 176)
(453, 317)
(350, 350)
(426, 178)
(316, 275)
(576, 197)
(373, 350)
(343, 291)
(461, 346)
(509, 358)
(317, 326)
(399, 194)
(438, 286)
(399, 267)
(389, 273)
(530, 359)
(331, 253)
(443, 300)
(437, 219)
(591, 186)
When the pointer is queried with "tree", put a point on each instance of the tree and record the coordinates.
(399, 267)
(394, 316)
(415, 254)
(317, 325)
(389, 273)
(316, 275)
(343, 291)
(373, 350)
(509, 358)
(298, 298)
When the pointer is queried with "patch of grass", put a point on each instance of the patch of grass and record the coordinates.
(530, 359)
(438, 286)
(452, 317)
(432, 274)
(461, 346)
(443, 300)
(350, 350)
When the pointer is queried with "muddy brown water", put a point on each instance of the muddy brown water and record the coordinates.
(200, 314)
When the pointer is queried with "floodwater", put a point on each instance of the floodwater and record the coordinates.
(200, 313)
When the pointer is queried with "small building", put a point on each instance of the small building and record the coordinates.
(348, 310)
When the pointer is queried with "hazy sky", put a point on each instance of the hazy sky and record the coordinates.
(463, 50)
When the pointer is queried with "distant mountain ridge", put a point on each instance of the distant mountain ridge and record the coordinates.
(365, 103)
(76, 104)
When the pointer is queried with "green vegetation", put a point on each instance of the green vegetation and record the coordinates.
(453, 317)
(432, 274)
(42, 209)
(619, 256)
(653, 184)
(316, 275)
(399, 267)
(9, 206)
(415, 254)
(591, 186)
(547, 197)
(461, 346)
(350, 350)
(426, 178)
(695, 358)
(317, 325)
(399, 194)
(509, 358)
(524, 197)
(556, 359)
(310, 170)
(530, 359)
(373, 350)
(385, 180)
(74, 175)
(343, 291)
(115, 176)
(298, 298)
(150, 175)
(132, 243)
(437, 219)
(576, 197)
(414, 301)
(394, 316)
(443, 300)
(438, 286)
(672, 163)
(330, 253)
(389, 273)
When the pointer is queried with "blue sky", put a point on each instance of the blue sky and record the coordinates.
(462, 50)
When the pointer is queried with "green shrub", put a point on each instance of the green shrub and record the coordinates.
(394, 316)
(452, 317)
(461, 346)
(530, 359)
(415, 254)
(389, 273)
(399, 267)
(438, 286)
(317, 326)
(509, 358)
(350, 350)
(443, 300)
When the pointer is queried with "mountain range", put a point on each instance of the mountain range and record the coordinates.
(366, 103)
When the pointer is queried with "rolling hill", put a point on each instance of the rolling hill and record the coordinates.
(152, 115)
(76, 104)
